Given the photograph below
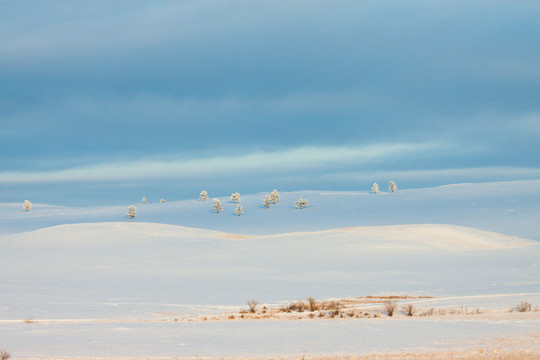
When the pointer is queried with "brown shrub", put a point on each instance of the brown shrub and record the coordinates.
(524, 306)
(390, 307)
(252, 304)
(312, 304)
(298, 306)
(409, 309)
(331, 305)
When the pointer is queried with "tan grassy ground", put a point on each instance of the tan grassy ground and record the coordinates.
(452, 355)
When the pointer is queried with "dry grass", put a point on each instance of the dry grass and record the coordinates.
(366, 307)
(325, 308)
(454, 355)
(450, 311)
(448, 355)
(4, 355)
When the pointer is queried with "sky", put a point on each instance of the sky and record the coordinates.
(103, 102)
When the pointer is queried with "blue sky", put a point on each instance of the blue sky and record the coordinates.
(104, 102)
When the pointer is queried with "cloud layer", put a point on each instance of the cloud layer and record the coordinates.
(183, 167)
(180, 88)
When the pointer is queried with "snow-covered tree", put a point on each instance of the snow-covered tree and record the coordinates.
(204, 195)
(301, 203)
(162, 201)
(143, 200)
(393, 186)
(274, 196)
(375, 188)
(217, 205)
(267, 201)
(132, 212)
(238, 210)
(27, 205)
(235, 197)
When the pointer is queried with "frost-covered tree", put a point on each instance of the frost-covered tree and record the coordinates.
(267, 201)
(143, 200)
(27, 205)
(393, 186)
(238, 210)
(132, 212)
(301, 203)
(204, 195)
(162, 201)
(274, 196)
(217, 205)
(235, 197)
(375, 188)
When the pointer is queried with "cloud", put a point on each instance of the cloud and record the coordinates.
(446, 175)
(315, 158)
(208, 88)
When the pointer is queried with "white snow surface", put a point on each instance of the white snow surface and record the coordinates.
(509, 208)
(99, 284)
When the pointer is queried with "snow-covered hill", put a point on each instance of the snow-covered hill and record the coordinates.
(510, 208)
(473, 245)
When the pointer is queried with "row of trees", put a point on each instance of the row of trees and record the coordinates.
(273, 197)
(268, 200)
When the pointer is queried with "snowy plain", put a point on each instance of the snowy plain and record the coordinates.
(88, 282)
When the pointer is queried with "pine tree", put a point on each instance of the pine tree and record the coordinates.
(143, 200)
(238, 210)
(267, 201)
(393, 186)
(375, 188)
(217, 206)
(204, 195)
(27, 205)
(132, 212)
(274, 196)
(301, 203)
(235, 197)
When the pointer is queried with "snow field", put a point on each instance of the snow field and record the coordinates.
(84, 282)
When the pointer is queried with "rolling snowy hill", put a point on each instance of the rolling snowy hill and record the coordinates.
(510, 208)
(82, 273)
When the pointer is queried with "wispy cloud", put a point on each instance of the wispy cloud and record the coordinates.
(438, 176)
(306, 157)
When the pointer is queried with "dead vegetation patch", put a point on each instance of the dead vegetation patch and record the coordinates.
(4, 355)
(525, 306)
(365, 307)
(450, 355)
(450, 311)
